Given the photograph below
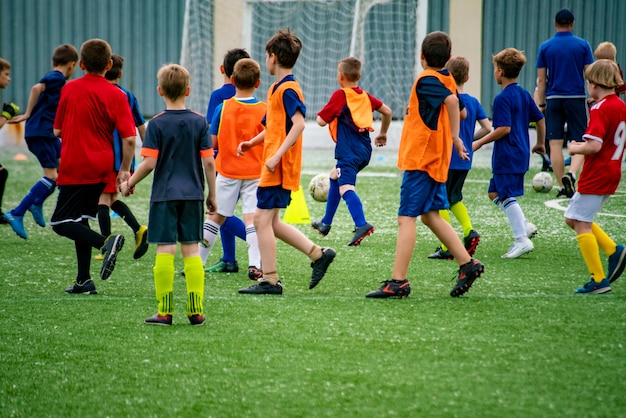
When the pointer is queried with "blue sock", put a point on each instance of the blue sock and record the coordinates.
(231, 228)
(355, 207)
(36, 195)
(332, 203)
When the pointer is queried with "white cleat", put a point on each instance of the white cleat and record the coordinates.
(519, 249)
(531, 230)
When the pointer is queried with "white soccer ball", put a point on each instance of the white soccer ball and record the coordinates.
(318, 187)
(542, 182)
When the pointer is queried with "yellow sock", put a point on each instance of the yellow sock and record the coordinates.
(591, 254)
(194, 277)
(445, 215)
(459, 210)
(164, 282)
(604, 241)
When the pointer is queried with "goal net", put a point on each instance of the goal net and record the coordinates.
(383, 34)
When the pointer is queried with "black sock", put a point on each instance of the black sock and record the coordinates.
(104, 220)
(124, 211)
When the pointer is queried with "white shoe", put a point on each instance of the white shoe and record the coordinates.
(519, 248)
(531, 229)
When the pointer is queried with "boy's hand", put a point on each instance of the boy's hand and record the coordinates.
(9, 110)
(539, 149)
(19, 118)
(243, 147)
(211, 205)
(460, 148)
(381, 139)
(271, 163)
(125, 189)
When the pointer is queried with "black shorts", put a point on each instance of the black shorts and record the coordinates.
(571, 111)
(454, 185)
(77, 202)
(175, 221)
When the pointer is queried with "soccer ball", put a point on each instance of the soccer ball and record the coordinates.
(542, 182)
(318, 187)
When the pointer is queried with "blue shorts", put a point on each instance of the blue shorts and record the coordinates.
(507, 185)
(348, 169)
(559, 111)
(175, 221)
(272, 197)
(420, 194)
(46, 149)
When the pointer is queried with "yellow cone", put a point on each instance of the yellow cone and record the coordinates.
(297, 212)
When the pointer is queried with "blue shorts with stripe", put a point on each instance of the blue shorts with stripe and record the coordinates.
(420, 194)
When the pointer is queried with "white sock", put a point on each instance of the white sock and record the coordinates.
(209, 235)
(254, 255)
(516, 218)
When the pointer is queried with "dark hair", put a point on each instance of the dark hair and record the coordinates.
(564, 17)
(231, 58)
(4, 64)
(459, 68)
(286, 46)
(436, 48)
(351, 68)
(116, 70)
(64, 54)
(95, 54)
(510, 61)
(246, 73)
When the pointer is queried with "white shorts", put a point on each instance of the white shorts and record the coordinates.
(585, 207)
(230, 190)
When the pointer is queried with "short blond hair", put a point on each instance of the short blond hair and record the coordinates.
(246, 73)
(605, 50)
(604, 73)
(510, 61)
(459, 68)
(173, 80)
(350, 68)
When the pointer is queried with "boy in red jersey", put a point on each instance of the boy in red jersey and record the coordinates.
(89, 110)
(430, 129)
(603, 150)
(236, 119)
(348, 114)
(280, 174)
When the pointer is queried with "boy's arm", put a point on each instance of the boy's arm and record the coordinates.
(454, 115)
(381, 138)
(584, 148)
(540, 97)
(128, 152)
(485, 128)
(214, 141)
(209, 173)
(540, 146)
(246, 145)
(142, 131)
(127, 187)
(321, 122)
(498, 133)
(294, 133)
(35, 92)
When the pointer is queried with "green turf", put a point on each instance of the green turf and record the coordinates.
(520, 343)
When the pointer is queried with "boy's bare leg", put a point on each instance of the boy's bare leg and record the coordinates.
(264, 220)
(405, 244)
(447, 235)
(291, 235)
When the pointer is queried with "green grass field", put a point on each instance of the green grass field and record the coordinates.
(519, 343)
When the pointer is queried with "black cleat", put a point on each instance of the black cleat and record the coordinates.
(85, 288)
(321, 227)
(196, 319)
(569, 184)
(111, 248)
(467, 274)
(471, 242)
(360, 233)
(440, 254)
(263, 288)
(391, 289)
(320, 266)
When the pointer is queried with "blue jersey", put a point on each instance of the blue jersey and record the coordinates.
(118, 145)
(513, 107)
(475, 112)
(564, 56)
(217, 97)
(178, 137)
(41, 119)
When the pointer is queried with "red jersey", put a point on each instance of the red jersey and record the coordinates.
(90, 110)
(602, 171)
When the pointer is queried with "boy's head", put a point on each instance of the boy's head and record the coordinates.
(5, 73)
(116, 69)
(174, 81)
(286, 46)
(231, 58)
(246, 74)
(350, 68)
(604, 73)
(510, 61)
(95, 56)
(64, 54)
(459, 68)
(436, 49)
(605, 51)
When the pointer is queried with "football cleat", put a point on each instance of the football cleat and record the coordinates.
(17, 223)
(37, 212)
(85, 288)
(569, 184)
(595, 287)
(263, 288)
(391, 289)
(321, 227)
(254, 273)
(519, 248)
(141, 242)
(196, 319)
(468, 273)
(157, 319)
(111, 248)
(320, 266)
(223, 267)
(531, 229)
(617, 261)
(471, 242)
(360, 233)
(440, 254)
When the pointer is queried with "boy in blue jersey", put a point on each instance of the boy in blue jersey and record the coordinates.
(39, 116)
(8, 111)
(457, 173)
(108, 198)
(561, 63)
(232, 226)
(513, 110)
(178, 148)
(348, 114)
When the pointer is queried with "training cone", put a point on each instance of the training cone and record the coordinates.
(297, 211)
